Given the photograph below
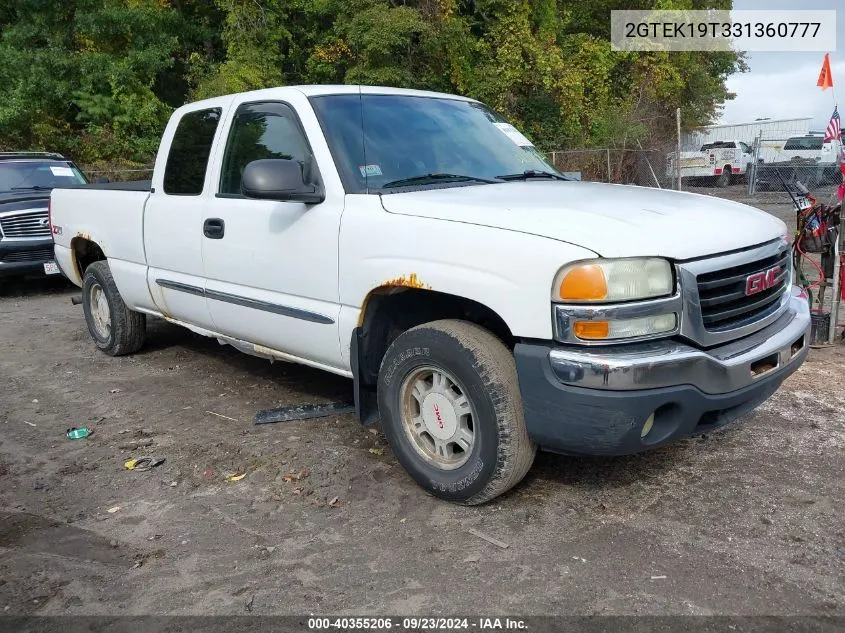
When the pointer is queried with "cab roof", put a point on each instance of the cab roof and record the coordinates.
(281, 92)
(31, 156)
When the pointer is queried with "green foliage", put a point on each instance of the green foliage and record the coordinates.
(98, 78)
(93, 78)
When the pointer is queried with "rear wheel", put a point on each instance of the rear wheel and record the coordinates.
(451, 410)
(116, 329)
(724, 179)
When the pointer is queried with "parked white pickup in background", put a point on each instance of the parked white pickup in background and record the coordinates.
(719, 162)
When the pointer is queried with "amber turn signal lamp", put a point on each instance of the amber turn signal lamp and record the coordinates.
(591, 329)
(584, 283)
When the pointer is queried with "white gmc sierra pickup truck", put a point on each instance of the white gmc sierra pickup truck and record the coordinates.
(483, 305)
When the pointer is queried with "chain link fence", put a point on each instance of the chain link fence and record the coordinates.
(779, 161)
(100, 173)
(752, 173)
(645, 167)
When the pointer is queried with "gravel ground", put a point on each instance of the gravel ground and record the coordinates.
(747, 520)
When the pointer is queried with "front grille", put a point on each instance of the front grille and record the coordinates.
(25, 224)
(35, 255)
(724, 304)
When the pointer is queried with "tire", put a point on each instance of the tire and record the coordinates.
(749, 171)
(828, 176)
(125, 329)
(724, 179)
(477, 391)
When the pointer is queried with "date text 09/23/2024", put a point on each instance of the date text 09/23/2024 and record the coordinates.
(416, 623)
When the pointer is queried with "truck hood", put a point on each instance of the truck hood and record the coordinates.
(17, 200)
(611, 220)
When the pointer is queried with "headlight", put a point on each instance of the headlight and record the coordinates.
(613, 280)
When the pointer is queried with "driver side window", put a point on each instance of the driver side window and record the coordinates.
(260, 131)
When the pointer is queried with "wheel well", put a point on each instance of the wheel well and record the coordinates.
(85, 253)
(390, 312)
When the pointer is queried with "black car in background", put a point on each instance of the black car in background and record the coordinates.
(26, 179)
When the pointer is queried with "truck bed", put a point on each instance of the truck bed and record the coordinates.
(110, 216)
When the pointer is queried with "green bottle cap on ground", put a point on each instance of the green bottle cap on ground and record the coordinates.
(77, 434)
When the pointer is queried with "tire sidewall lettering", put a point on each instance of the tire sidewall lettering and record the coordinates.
(402, 357)
(461, 484)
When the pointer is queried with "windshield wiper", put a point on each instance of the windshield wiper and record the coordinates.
(33, 188)
(530, 173)
(429, 178)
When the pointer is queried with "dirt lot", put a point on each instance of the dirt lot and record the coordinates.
(748, 520)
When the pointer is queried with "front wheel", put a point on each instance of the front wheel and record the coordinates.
(451, 410)
(116, 329)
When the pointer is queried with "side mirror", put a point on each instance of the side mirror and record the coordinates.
(279, 179)
(102, 180)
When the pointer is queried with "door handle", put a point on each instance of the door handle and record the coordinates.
(214, 228)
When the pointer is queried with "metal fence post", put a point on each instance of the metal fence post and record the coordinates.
(751, 174)
(678, 154)
(837, 291)
(609, 179)
(650, 168)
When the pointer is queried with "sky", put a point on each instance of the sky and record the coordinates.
(783, 85)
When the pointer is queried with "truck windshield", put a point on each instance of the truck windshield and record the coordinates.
(387, 143)
(804, 143)
(718, 145)
(32, 175)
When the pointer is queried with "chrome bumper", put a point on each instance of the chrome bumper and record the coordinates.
(668, 363)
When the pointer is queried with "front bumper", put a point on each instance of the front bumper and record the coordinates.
(24, 257)
(596, 401)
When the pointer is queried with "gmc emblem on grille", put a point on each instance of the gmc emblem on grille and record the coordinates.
(758, 282)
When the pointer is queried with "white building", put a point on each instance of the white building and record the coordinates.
(773, 132)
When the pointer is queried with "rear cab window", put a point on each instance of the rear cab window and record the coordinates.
(804, 143)
(718, 145)
(184, 173)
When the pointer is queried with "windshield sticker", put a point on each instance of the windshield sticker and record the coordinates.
(513, 134)
(370, 170)
(62, 171)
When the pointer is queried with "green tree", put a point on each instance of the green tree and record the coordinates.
(98, 78)
(94, 78)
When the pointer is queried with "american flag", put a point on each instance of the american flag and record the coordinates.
(834, 130)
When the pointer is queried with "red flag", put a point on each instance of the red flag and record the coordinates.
(825, 76)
